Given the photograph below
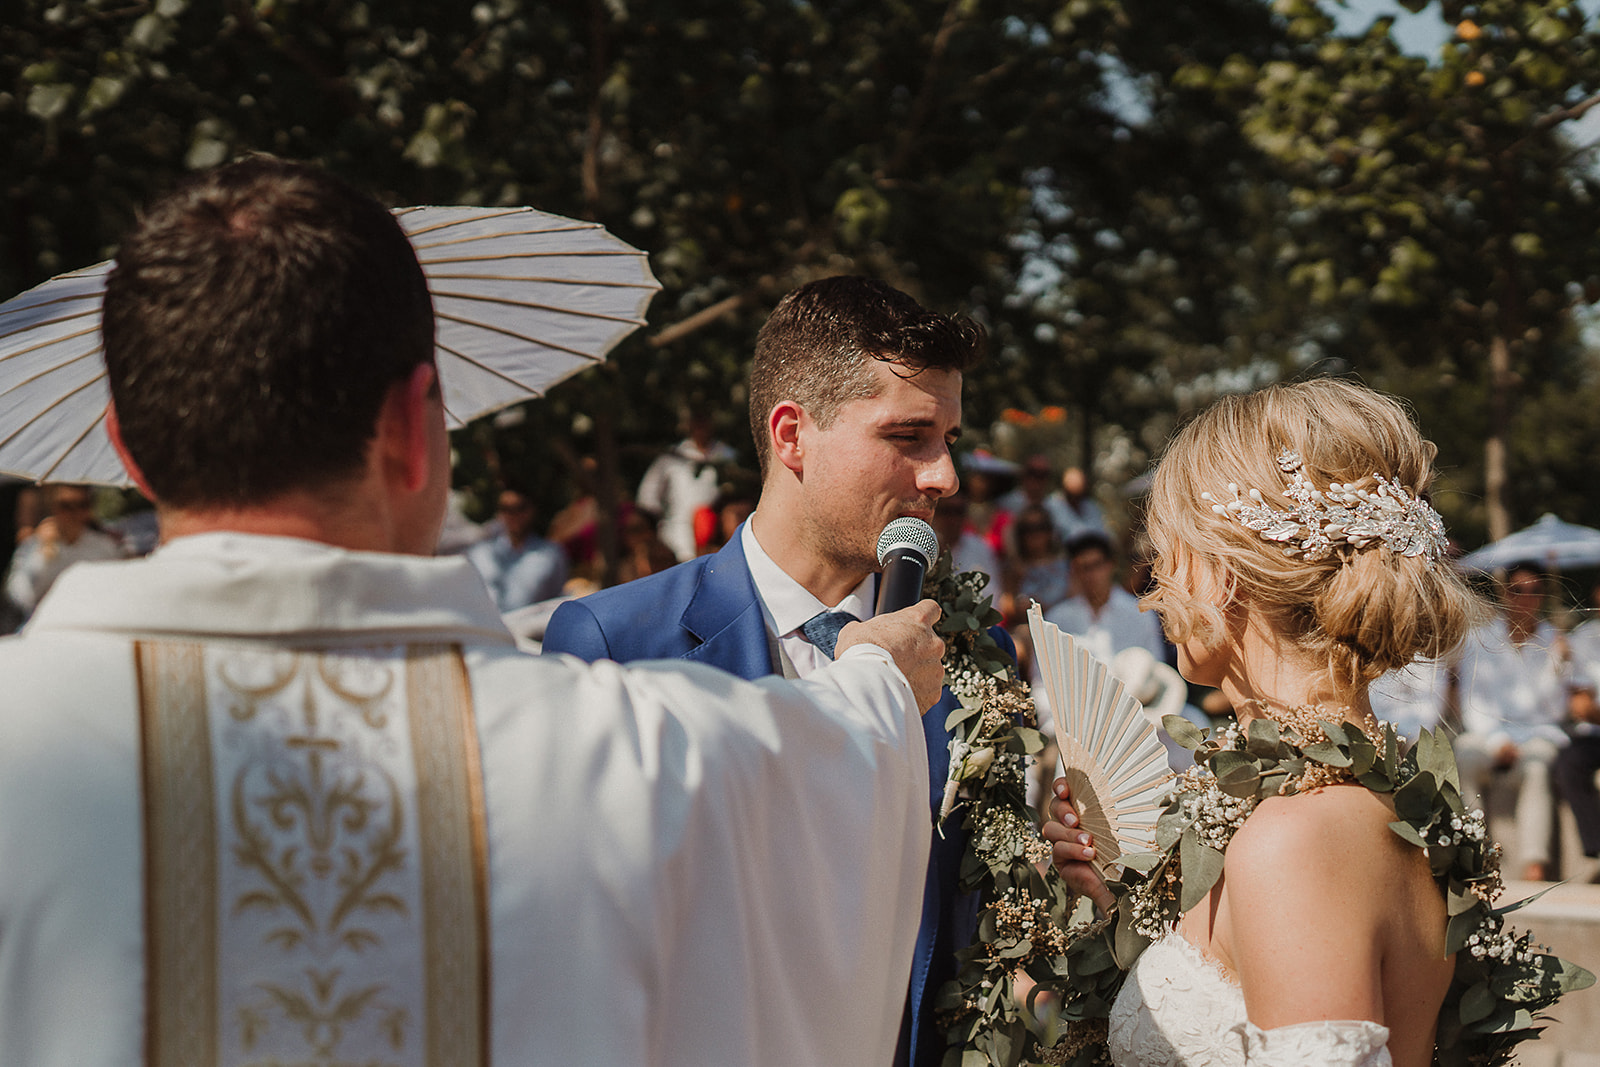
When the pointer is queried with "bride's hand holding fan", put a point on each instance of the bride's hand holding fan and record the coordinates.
(1072, 849)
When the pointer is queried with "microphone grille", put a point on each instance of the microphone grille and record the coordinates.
(909, 533)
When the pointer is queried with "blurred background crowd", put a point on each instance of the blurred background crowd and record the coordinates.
(1519, 699)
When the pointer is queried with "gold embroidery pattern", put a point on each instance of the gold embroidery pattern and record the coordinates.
(352, 847)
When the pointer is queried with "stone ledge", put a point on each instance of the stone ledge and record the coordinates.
(1567, 919)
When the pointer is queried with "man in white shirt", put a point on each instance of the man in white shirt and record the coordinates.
(63, 538)
(285, 792)
(1103, 616)
(1513, 699)
(682, 480)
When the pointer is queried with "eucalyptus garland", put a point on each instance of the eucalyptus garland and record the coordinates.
(1036, 985)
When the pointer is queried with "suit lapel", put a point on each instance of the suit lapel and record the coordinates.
(725, 615)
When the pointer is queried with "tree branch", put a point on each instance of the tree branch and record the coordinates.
(923, 107)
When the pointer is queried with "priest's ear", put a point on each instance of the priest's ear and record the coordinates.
(114, 431)
(411, 439)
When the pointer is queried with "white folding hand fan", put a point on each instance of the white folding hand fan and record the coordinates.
(1113, 760)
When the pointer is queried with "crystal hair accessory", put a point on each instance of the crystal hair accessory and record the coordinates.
(1323, 520)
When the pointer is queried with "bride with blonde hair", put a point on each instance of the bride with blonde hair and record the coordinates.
(1297, 560)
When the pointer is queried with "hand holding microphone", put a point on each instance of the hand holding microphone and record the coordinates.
(905, 550)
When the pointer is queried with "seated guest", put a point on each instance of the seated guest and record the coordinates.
(1036, 571)
(519, 567)
(66, 536)
(1103, 616)
(1577, 764)
(968, 551)
(1513, 701)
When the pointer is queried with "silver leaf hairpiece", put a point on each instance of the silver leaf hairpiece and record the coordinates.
(1323, 520)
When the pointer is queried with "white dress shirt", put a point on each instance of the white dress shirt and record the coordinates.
(788, 606)
(1119, 624)
(1512, 692)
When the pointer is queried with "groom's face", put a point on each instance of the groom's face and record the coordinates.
(880, 458)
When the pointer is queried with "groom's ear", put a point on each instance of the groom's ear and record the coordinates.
(786, 428)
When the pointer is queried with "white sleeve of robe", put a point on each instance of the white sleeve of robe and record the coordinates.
(749, 884)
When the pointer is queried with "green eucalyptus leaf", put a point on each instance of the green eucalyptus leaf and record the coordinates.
(1242, 783)
(1409, 832)
(1129, 942)
(1095, 956)
(1263, 737)
(1477, 1003)
(1143, 862)
(1021, 948)
(1363, 757)
(958, 715)
(1414, 800)
(1336, 733)
(1459, 929)
(1518, 905)
(1031, 740)
(1201, 866)
(1326, 752)
(1376, 781)
(1225, 763)
(1184, 732)
(1571, 977)
(1169, 827)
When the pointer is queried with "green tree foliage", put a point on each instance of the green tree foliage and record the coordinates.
(1439, 205)
(1147, 203)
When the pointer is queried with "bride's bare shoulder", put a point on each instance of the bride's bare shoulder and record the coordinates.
(1338, 828)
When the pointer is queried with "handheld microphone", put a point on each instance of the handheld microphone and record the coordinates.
(906, 548)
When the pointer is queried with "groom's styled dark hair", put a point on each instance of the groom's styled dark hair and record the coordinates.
(254, 320)
(816, 346)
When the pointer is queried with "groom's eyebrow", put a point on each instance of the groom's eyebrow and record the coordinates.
(918, 422)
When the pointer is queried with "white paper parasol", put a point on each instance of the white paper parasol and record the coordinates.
(1549, 543)
(1114, 763)
(522, 300)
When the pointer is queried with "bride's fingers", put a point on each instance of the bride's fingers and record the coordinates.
(1061, 809)
(1068, 843)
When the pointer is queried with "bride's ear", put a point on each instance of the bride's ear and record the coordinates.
(1210, 581)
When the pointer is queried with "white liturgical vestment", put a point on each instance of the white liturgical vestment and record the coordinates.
(265, 802)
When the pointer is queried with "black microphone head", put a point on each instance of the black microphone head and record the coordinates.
(907, 532)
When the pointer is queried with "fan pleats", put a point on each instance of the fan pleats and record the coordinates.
(1115, 765)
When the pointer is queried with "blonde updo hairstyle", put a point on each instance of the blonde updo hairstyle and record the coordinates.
(1362, 612)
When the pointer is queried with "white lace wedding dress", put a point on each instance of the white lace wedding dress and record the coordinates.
(1178, 1009)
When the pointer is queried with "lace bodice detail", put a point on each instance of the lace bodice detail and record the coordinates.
(1177, 1009)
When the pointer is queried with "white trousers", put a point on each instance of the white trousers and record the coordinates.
(1529, 774)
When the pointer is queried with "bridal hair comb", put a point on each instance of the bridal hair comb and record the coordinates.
(1323, 520)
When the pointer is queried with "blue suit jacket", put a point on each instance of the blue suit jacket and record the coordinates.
(707, 610)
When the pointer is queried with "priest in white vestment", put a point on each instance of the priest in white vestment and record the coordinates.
(284, 794)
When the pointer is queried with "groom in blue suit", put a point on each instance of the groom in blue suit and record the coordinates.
(855, 399)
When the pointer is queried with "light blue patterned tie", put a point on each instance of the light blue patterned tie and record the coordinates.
(823, 629)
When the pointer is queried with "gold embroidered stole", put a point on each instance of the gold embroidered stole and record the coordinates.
(315, 871)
